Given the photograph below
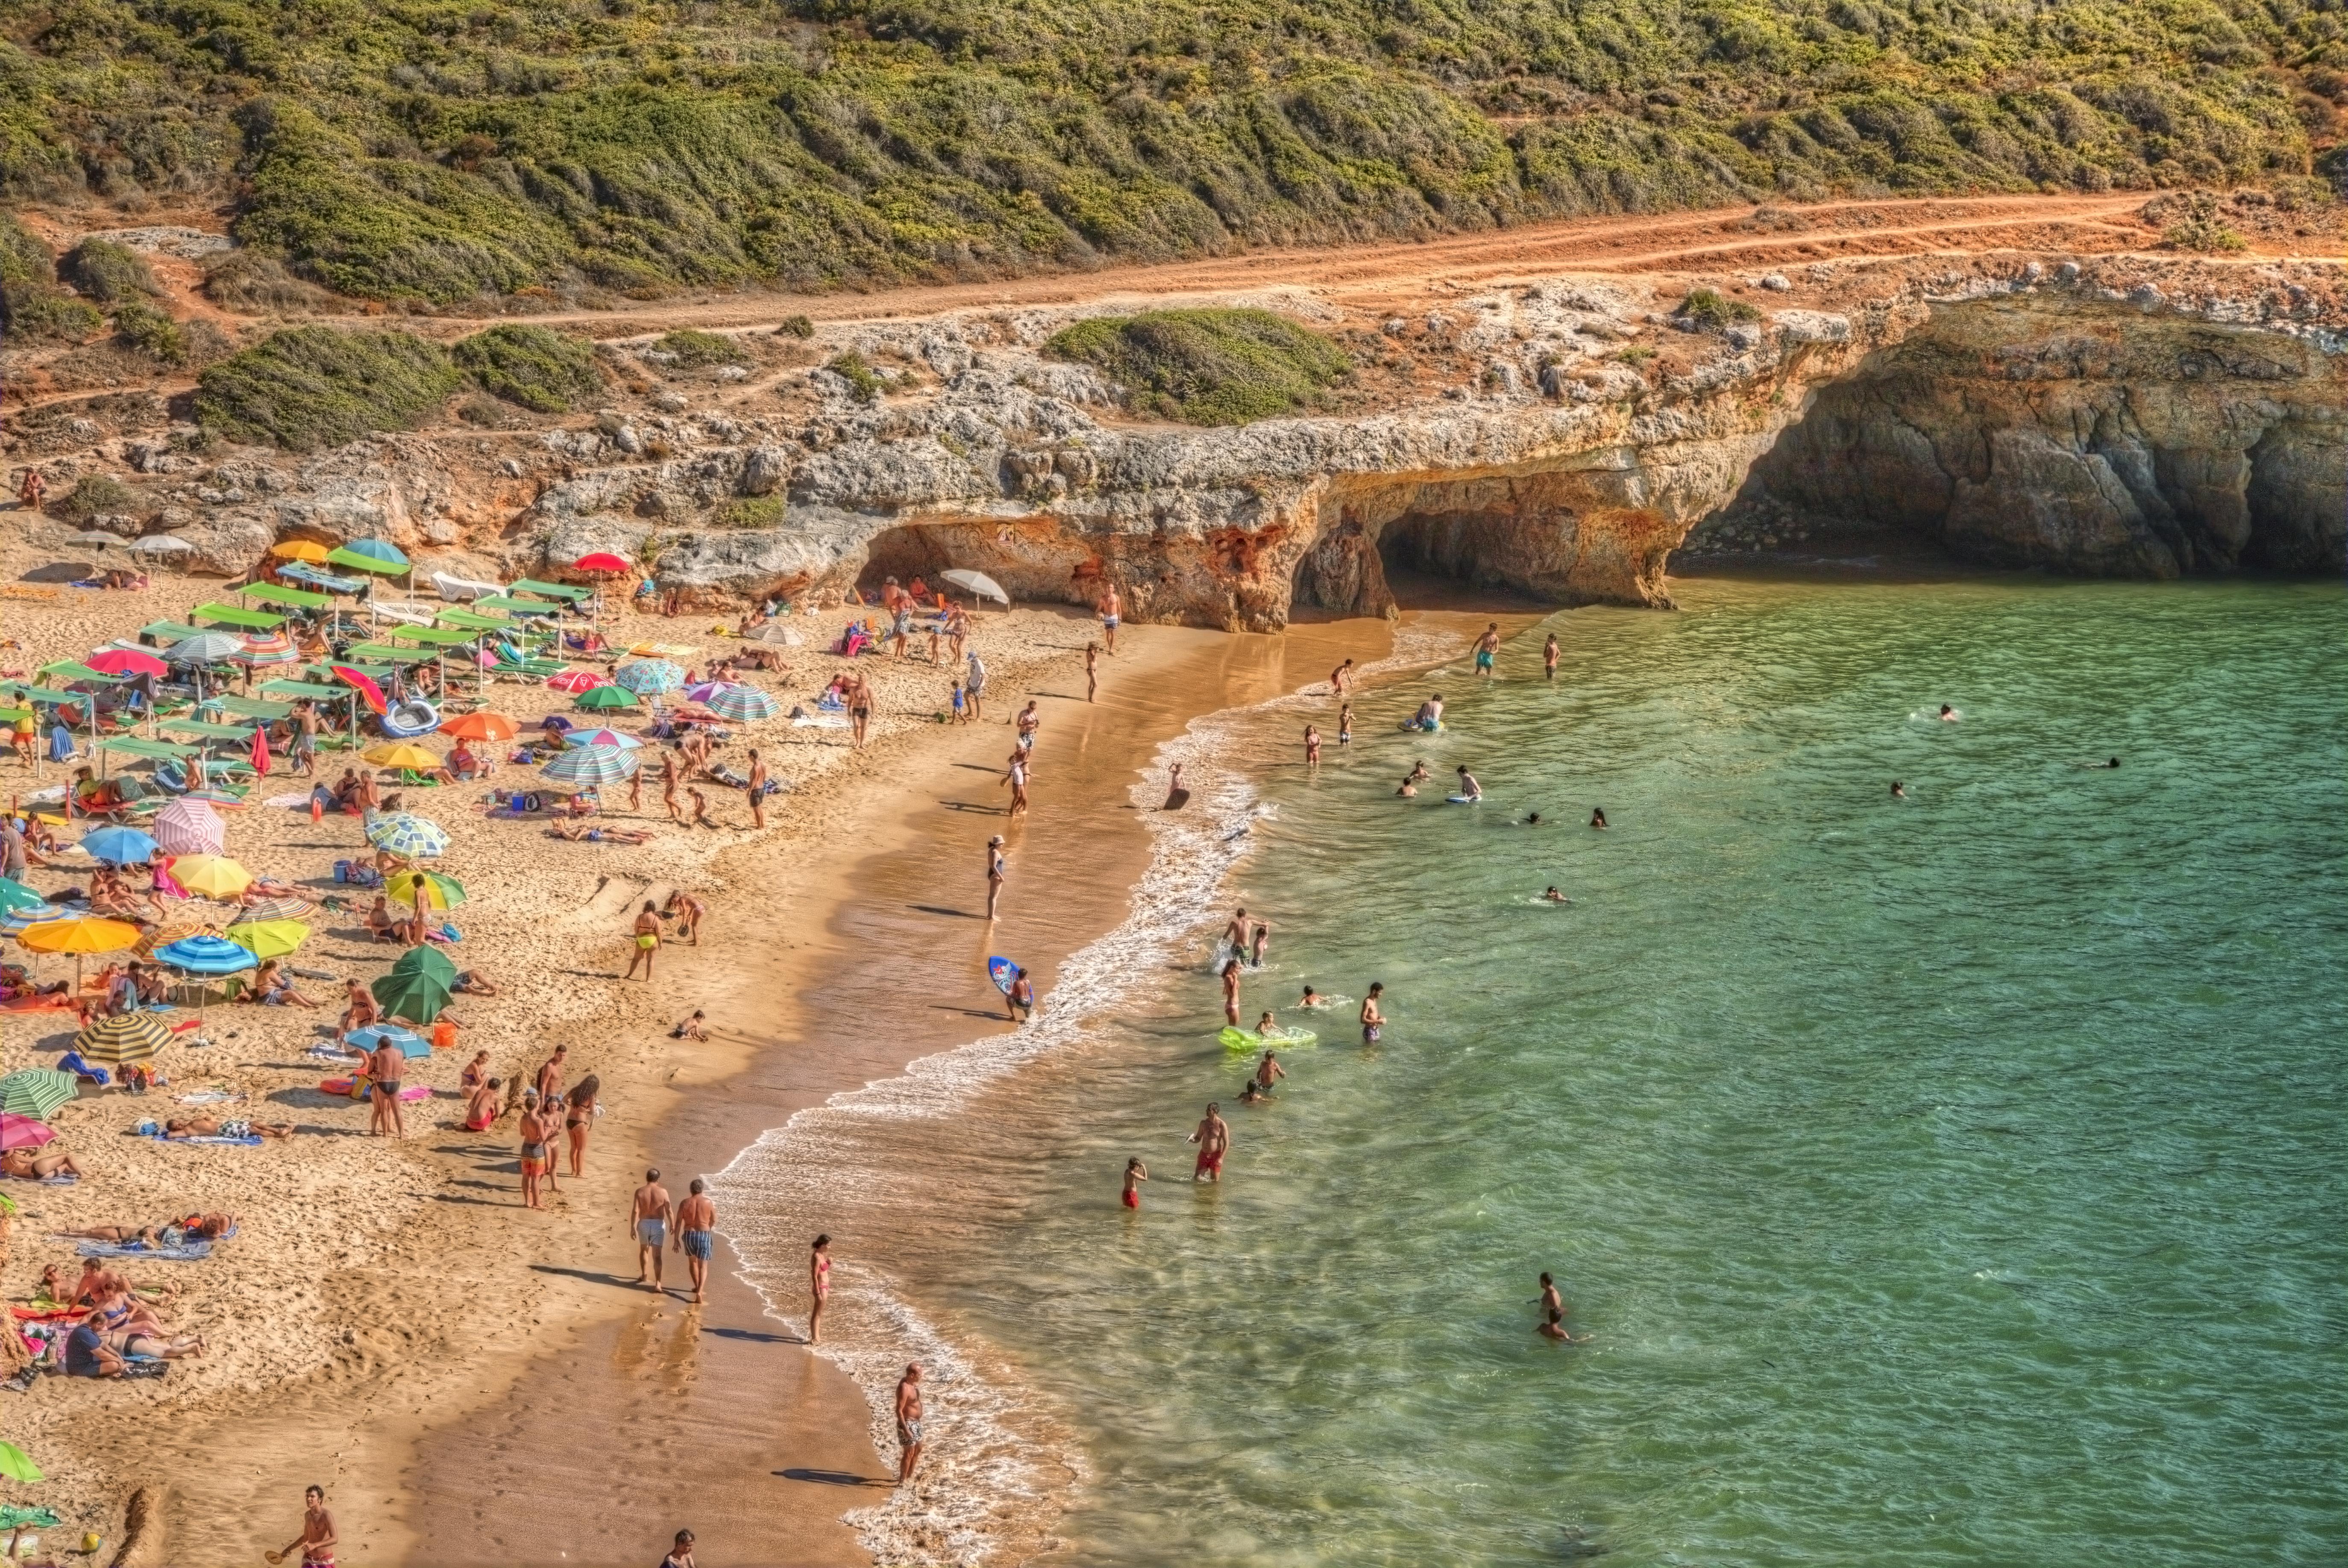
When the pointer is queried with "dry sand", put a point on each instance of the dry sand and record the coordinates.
(378, 1288)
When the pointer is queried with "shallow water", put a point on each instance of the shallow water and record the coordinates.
(1953, 1180)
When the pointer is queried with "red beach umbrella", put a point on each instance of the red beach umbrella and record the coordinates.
(364, 685)
(126, 662)
(601, 560)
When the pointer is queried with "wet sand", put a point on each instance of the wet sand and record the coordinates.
(723, 1419)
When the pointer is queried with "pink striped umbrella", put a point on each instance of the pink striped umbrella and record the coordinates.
(191, 828)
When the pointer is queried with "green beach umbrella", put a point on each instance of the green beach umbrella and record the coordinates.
(404, 834)
(36, 1091)
(430, 961)
(269, 938)
(607, 696)
(17, 1465)
(411, 995)
(15, 895)
(442, 891)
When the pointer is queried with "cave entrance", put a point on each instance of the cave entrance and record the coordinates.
(1458, 560)
(905, 553)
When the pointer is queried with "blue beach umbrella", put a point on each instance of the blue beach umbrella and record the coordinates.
(206, 954)
(409, 1042)
(119, 846)
(17, 919)
(582, 737)
(741, 704)
(15, 895)
(650, 678)
(591, 765)
(417, 838)
(381, 550)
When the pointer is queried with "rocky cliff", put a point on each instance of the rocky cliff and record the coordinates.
(1558, 436)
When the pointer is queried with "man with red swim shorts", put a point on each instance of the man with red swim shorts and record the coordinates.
(1213, 1139)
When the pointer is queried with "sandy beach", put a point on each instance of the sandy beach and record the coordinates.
(369, 1326)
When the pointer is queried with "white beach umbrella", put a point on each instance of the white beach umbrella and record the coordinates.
(977, 582)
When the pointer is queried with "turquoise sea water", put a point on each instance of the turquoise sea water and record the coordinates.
(1961, 1179)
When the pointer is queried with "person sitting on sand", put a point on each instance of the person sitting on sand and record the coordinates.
(473, 983)
(475, 1071)
(273, 988)
(465, 763)
(359, 1012)
(94, 1351)
(481, 1108)
(233, 1127)
(381, 925)
(38, 1164)
(695, 1027)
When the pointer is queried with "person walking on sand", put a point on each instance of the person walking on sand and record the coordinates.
(1019, 1001)
(305, 739)
(819, 1286)
(1488, 648)
(859, 707)
(1312, 746)
(1374, 1021)
(696, 1217)
(909, 1421)
(648, 1216)
(1111, 609)
(1135, 1173)
(1016, 777)
(1092, 671)
(647, 939)
(1340, 675)
(757, 787)
(996, 867)
(1232, 990)
(1549, 658)
(537, 1151)
(1214, 1140)
(670, 778)
(317, 1540)
(973, 682)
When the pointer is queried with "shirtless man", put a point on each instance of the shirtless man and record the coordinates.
(550, 1077)
(859, 707)
(386, 1066)
(537, 1149)
(1135, 1173)
(1111, 613)
(758, 793)
(696, 1217)
(1430, 714)
(1488, 648)
(1373, 1022)
(1549, 658)
(648, 1217)
(686, 911)
(1232, 990)
(317, 1538)
(1030, 721)
(1235, 934)
(996, 867)
(1214, 1140)
(1258, 940)
(695, 1027)
(305, 739)
(909, 1421)
(1020, 1001)
(1268, 1072)
(647, 939)
(481, 1105)
(1550, 1301)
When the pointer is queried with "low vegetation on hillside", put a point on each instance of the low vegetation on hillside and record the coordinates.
(1207, 366)
(313, 387)
(434, 153)
(545, 371)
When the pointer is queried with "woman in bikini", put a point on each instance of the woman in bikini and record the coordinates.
(578, 1116)
(819, 1286)
(32, 1165)
(535, 1159)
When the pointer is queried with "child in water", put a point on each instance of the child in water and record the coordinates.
(1135, 1173)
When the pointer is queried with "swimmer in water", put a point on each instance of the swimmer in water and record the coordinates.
(1533, 820)
(1409, 787)
(1468, 789)
(1312, 998)
(1419, 773)
(2099, 767)
(1598, 815)
(1553, 896)
(1264, 1025)
(1949, 715)
(1898, 791)
(1555, 1329)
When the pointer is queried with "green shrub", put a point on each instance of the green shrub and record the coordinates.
(32, 305)
(863, 384)
(94, 493)
(752, 511)
(1712, 310)
(797, 326)
(1636, 355)
(315, 386)
(248, 281)
(151, 332)
(550, 372)
(2195, 222)
(694, 350)
(107, 273)
(1207, 366)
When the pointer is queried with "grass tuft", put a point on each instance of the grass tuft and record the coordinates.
(1207, 366)
(109, 273)
(94, 495)
(548, 372)
(699, 350)
(1712, 310)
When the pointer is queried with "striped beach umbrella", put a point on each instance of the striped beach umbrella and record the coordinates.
(205, 648)
(650, 678)
(269, 909)
(36, 1091)
(403, 833)
(440, 891)
(204, 953)
(118, 846)
(268, 648)
(16, 921)
(742, 704)
(591, 765)
(191, 828)
(581, 738)
(269, 939)
(120, 1038)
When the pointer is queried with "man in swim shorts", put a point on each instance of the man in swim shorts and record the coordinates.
(1373, 1022)
(696, 1217)
(317, 1538)
(648, 1215)
(1214, 1140)
(1111, 609)
(1487, 647)
(1135, 1173)
(909, 1421)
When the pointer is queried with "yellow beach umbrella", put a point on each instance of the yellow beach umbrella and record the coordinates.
(300, 549)
(401, 754)
(82, 934)
(211, 876)
(441, 891)
(121, 1037)
(662, 651)
(269, 938)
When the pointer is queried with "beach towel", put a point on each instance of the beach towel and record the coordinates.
(62, 1179)
(256, 1137)
(212, 1097)
(185, 1252)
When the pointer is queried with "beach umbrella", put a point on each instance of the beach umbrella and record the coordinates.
(120, 1038)
(161, 544)
(36, 1091)
(97, 537)
(269, 938)
(411, 995)
(649, 677)
(364, 685)
(300, 549)
(205, 954)
(15, 895)
(441, 891)
(977, 582)
(204, 648)
(269, 909)
(404, 834)
(603, 698)
(401, 754)
(381, 552)
(211, 876)
(702, 691)
(409, 1042)
(270, 648)
(741, 704)
(24, 1132)
(75, 673)
(126, 662)
(576, 681)
(118, 846)
(601, 560)
(168, 932)
(188, 827)
(483, 726)
(431, 961)
(592, 766)
(775, 632)
(80, 934)
(17, 1465)
(16, 920)
(578, 738)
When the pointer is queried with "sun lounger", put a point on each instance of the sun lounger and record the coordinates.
(462, 589)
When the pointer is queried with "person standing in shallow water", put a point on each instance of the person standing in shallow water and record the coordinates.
(909, 1421)
(1135, 1173)
(996, 869)
(1487, 649)
(1549, 658)
(1214, 1140)
(819, 1286)
(1232, 990)
(696, 1217)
